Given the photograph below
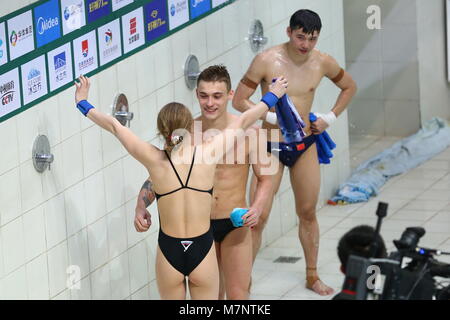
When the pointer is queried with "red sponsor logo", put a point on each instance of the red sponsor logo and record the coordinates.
(133, 26)
(85, 48)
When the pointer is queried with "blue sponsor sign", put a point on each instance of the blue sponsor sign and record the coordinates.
(156, 22)
(47, 22)
(199, 7)
(97, 9)
(59, 61)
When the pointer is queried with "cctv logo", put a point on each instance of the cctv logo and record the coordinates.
(7, 93)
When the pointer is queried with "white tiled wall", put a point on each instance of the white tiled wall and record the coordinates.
(400, 85)
(80, 213)
(384, 64)
(434, 87)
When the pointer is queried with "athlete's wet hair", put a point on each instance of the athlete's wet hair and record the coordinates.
(174, 117)
(216, 73)
(358, 242)
(307, 20)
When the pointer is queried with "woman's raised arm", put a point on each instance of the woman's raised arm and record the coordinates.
(142, 151)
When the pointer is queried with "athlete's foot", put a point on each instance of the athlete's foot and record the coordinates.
(314, 283)
(319, 287)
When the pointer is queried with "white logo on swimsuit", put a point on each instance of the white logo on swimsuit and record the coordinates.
(186, 244)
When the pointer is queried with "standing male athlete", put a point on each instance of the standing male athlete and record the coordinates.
(304, 67)
(233, 245)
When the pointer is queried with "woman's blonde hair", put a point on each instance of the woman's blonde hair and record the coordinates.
(173, 117)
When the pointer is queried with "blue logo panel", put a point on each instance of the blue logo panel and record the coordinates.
(97, 9)
(199, 7)
(156, 22)
(47, 22)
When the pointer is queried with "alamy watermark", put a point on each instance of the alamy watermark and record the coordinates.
(374, 19)
(230, 146)
(74, 277)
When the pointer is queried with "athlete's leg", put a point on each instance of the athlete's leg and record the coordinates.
(171, 283)
(236, 263)
(305, 181)
(204, 280)
(258, 229)
(221, 278)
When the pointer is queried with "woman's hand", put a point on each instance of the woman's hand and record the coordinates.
(82, 90)
(279, 87)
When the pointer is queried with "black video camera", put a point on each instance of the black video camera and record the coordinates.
(407, 274)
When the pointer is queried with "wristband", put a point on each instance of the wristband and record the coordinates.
(329, 118)
(270, 99)
(271, 117)
(84, 107)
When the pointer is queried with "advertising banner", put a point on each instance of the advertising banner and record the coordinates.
(156, 23)
(199, 7)
(59, 62)
(178, 13)
(85, 53)
(34, 79)
(9, 92)
(3, 45)
(117, 4)
(72, 15)
(109, 42)
(20, 35)
(47, 22)
(133, 30)
(97, 9)
(216, 3)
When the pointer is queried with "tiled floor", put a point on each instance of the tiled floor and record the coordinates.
(420, 197)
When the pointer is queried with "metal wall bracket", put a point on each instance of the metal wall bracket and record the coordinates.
(42, 158)
(256, 36)
(121, 110)
(191, 71)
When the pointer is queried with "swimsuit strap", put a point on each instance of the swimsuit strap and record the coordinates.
(173, 167)
(190, 169)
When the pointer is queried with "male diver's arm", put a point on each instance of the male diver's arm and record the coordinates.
(248, 85)
(142, 219)
(342, 80)
(263, 192)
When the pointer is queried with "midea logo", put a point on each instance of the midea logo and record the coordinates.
(44, 25)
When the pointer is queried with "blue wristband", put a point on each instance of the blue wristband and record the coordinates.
(84, 107)
(270, 99)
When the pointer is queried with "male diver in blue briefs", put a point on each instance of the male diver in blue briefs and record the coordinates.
(305, 67)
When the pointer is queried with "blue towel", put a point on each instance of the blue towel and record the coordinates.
(324, 144)
(290, 122)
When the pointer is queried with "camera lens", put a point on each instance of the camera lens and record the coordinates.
(410, 238)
